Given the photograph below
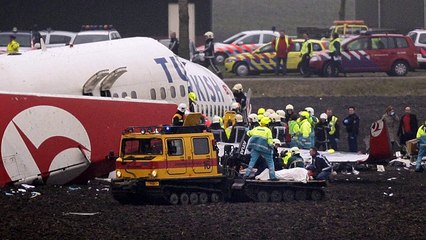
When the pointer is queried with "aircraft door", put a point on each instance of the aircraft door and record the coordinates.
(176, 162)
(202, 161)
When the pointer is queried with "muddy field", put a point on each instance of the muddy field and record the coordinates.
(371, 205)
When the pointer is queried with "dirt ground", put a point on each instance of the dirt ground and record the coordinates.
(371, 205)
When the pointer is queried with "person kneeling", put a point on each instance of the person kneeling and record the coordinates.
(320, 166)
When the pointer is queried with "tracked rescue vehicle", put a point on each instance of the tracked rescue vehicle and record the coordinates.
(180, 165)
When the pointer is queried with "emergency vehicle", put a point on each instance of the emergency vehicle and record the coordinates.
(419, 39)
(180, 165)
(96, 33)
(262, 60)
(347, 28)
(242, 42)
(394, 54)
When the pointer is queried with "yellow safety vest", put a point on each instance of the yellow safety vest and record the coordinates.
(305, 48)
(332, 125)
(421, 131)
(13, 47)
(331, 47)
(263, 132)
(277, 41)
(286, 157)
(305, 128)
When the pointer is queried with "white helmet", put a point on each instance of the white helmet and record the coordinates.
(270, 110)
(289, 107)
(275, 117)
(266, 114)
(252, 117)
(281, 113)
(216, 119)
(238, 87)
(323, 116)
(276, 141)
(239, 118)
(310, 110)
(235, 105)
(182, 107)
(295, 150)
(209, 34)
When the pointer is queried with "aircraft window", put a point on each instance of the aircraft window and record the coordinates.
(201, 146)
(173, 92)
(207, 110)
(153, 95)
(182, 91)
(133, 94)
(202, 109)
(115, 95)
(214, 110)
(163, 93)
(123, 94)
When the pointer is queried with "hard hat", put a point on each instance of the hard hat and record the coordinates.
(310, 110)
(276, 141)
(260, 111)
(275, 117)
(304, 114)
(281, 113)
(216, 119)
(266, 114)
(323, 116)
(295, 150)
(238, 87)
(270, 110)
(209, 34)
(182, 107)
(289, 107)
(235, 105)
(239, 118)
(252, 117)
(265, 121)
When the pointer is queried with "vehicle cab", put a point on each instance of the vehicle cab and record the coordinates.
(348, 28)
(95, 33)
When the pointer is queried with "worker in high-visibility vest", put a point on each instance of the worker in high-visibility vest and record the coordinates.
(421, 136)
(335, 55)
(282, 45)
(305, 53)
(334, 132)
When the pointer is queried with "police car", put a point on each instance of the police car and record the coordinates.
(419, 39)
(96, 33)
(241, 42)
(262, 60)
(394, 54)
(53, 38)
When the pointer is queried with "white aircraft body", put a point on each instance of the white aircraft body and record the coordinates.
(51, 133)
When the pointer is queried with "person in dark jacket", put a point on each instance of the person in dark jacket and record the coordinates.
(174, 43)
(282, 45)
(408, 126)
(321, 133)
(335, 55)
(209, 53)
(334, 132)
(320, 166)
(352, 128)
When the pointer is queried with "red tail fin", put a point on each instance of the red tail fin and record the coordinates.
(380, 146)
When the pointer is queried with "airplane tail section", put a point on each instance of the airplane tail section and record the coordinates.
(380, 146)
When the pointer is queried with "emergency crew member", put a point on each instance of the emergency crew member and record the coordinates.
(335, 55)
(282, 46)
(320, 165)
(13, 46)
(313, 121)
(289, 112)
(209, 52)
(252, 121)
(305, 130)
(294, 131)
(174, 43)
(260, 144)
(192, 97)
(421, 136)
(321, 133)
(352, 128)
(35, 37)
(179, 116)
(295, 160)
(240, 97)
(305, 53)
(407, 126)
(334, 132)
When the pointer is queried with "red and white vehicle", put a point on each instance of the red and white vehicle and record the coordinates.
(50, 132)
(394, 54)
(241, 42)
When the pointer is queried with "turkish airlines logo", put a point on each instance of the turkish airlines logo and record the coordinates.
(45, 140)
(376, 128)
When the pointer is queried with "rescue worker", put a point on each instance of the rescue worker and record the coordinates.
(313, 121)
(192, 97)
(320, 165)
(294, 131)
(235, 107)
(305, 53)
(321, 133)
(35, 38)
(278, 164)
(281, 113)
(238, 130)
(352, 128)
(240, 96)
(282, 46)
(334, 132)
(209, 53)
(421, 136)
(305, 130)
(260, 112)
(260, 144)
(407, 126)
(289, 111)
(174, 43)
(13, 46)
(252, 121)
(295, 159)
(391, 120)
(217, 130)
(335, 55)
(179, 116)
